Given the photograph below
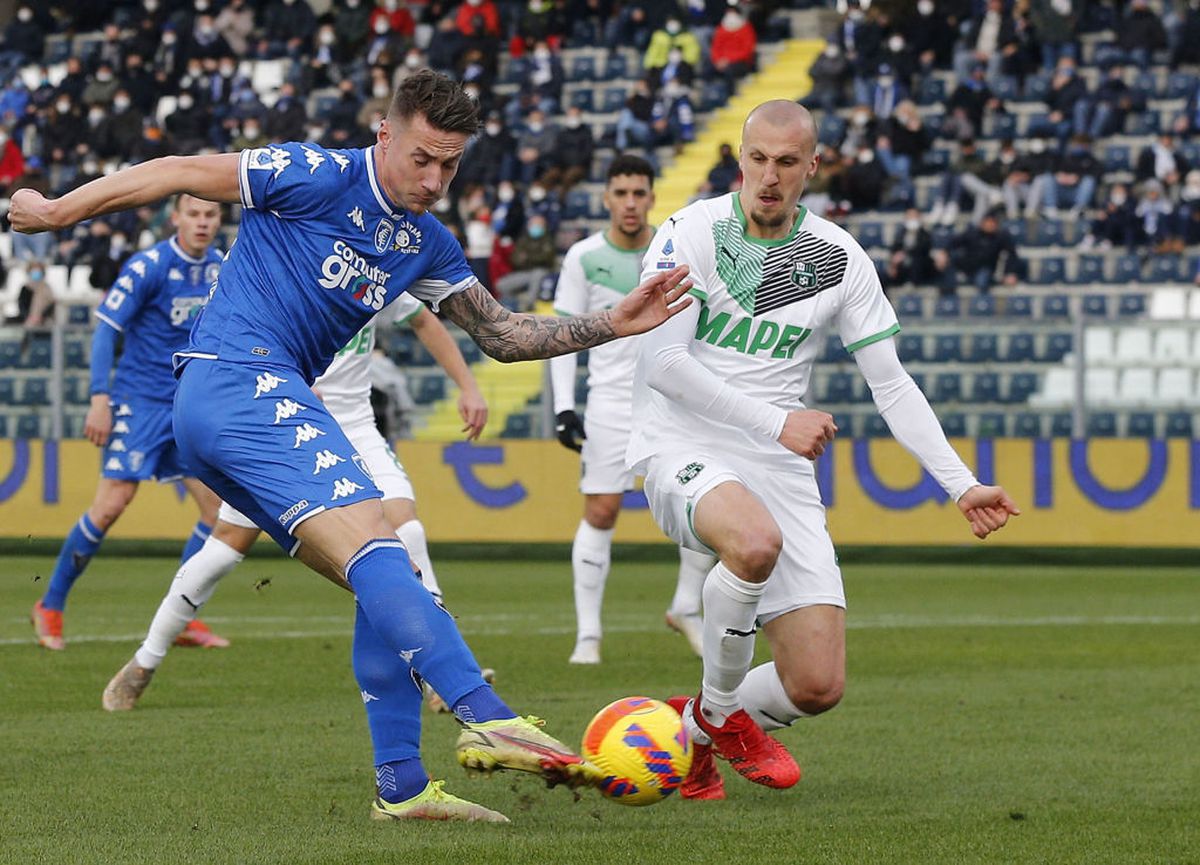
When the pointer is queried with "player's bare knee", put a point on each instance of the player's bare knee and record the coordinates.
(110, 502)
(756, 551)
(813, 698)
(601, 515)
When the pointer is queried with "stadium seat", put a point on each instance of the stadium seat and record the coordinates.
(79, 314)
(1051, 271)
(3, 426)
(713, 94)
(8, 391)
(515, 71)
(1018, 306)
(874, 426)
(1089, 269)
(1128, 269)
(985, 348)
(1007, 88)
(919, 380)
(846, 425)
(35, 391)
(1194, 304)
(583, 98)
(935, 160)
(985, 387)
(1140, 424)
(981, 306)
(1057, 389)
(583, 67)
(1142, 123)
(947, 306)
(1180, 85)
(1058, 345)
(833, 129)
(932, 91)
(1117, 157)
(517, 426)
(1131, 305)
(1049, 233)
(1134, 345)
(910, 306)
(29, 426)
(869, 234)
(1019, 347)
(10, 354)
(1056, 306)
(954, 424)
(547, 287)
(1021, 386)
(1102, 424)
(1173, 387)
(581, 390)
(1164, 268)
(947, 347)
(1100, 386)
(1136, 386)
(1027, 424)
(75, 390)
(38, 354)
(76, 355)
(834, 352)
(1172, 344)
(1168, 304)
(839, 388)
(616, 65)
(1062, 425)
(1099, 345)
(1037, 87)
(578, 204)
(992, 424)
(1179, 425)
(911, 347)
(430, 388)
(613, 100)
(1002, 126)
(947, 387)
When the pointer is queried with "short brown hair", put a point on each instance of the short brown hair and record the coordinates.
(439, 99)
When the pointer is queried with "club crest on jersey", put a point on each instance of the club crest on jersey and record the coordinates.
(688, 473)
(383, 235)
(803, 275)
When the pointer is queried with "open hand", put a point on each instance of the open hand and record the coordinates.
(473, 409)
(652, 302)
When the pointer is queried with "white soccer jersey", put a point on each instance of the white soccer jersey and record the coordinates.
(345, 387)
(596, 275)
(766, 305)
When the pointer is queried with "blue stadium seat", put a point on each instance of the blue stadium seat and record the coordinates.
(910, 306)
(1021, 386)
(1027, 424)
(1096, 305)
(713, 94)
(1019, 348)
(947, 306)
(1018, 306)
(578, 204)
(430, 388)
(10, 354)
(919, 380)
(1051, 271)
(947, 347)
(29, 426)
(947, 387)
(517, 426)
(1179, 425)
(869, 234)
(1143, 123)
(932, 91)
(1131, 305)
(954, 424)
(839, 388)
(1180, 85)
(1089, 269)
(548, 286)
(35, 391)
(875, 426)
(1140, 425)
(985, 348)
(845, 424)
(985, 387)
(1164, 268)
(1109, 54)
(1061, 425)
(911, 347)
(471, 352)
(1056, 306)
(981, 306)
(1003, 126)
(616, 66)
(1007, 88)
(1117, 157)
(8, 391)
(79, 313)
(1037, 87)
(516, 70)
(1145, 83)
(1049, 233)
(76, 355)
(3, 426)
(936, 160)
(833, 129)
(1102, 424)
(1058, 344)
(613, 101)
(1191, 152)
(584, 99)
(992, 424)
(1128, 269)
(75, 390)
(37, 356)
(322, 104)
(581, 390)
(834, 352)
(1018, 228)
(583, 68)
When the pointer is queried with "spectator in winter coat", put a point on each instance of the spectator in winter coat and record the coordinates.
(734, 51)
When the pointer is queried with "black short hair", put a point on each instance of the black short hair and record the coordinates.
(627, 163)
(439, 99)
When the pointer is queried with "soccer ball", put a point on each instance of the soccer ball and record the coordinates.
(642, 747)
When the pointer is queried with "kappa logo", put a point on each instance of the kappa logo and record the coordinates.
(306, 432)
(266, 382)
(292, 512)
(174, 273)
(356, 217)
(803, 275)
(688, 473)
(138, 266)
(125, 282)
(287, 408)
(123, 410)
(383, 235)
(342, 162)
(120, 428)
(152, 254)
(315, 160)
(327, 459)
(280, 159)
(117, 446)
(367, 697)
(407, 654)
(347, 270)
(113, 465)
(343, 488)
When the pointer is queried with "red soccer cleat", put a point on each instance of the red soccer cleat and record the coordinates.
(197, 634)
(47, 626)
(703, 779)
(755, 755)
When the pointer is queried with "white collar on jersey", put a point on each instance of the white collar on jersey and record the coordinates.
(179, 251)
(375, 188)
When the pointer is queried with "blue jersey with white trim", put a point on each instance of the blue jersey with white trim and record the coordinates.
(153, 302)
(319, 252)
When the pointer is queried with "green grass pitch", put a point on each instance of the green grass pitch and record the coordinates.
(994, 714)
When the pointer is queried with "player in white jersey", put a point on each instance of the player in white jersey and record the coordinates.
(727, 444)
(596, 273)
(345, 390)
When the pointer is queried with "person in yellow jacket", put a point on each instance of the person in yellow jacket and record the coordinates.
(671, 35)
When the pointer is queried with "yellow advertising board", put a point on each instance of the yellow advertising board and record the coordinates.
(1103, 492)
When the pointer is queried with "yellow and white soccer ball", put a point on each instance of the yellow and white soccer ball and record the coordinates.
(641, 746)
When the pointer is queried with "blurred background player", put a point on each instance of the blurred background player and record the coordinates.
(596, 273)
(345, 389)
(728, 448)
(151, 305)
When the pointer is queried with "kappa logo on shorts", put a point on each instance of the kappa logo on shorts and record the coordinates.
(120, 428)
(292, 512)
(326, 459)
(265, 383)
(306, 432)
(113, 465)
(689, 472)
(117, 446)
(287, 408)
(343, 488)
(124, 410)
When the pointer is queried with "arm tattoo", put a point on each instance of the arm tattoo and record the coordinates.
(508, 336)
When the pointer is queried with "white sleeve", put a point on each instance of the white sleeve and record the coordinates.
(910, 418)
(571, 297)
(671, 370)
(562, 381)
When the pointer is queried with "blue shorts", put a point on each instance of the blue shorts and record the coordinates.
(262, 440)
(141, 446)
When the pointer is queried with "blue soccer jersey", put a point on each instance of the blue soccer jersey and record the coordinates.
(320, 251)
(153, 303)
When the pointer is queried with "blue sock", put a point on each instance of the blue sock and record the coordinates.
(195, 540)
(392, 698)
(77, 550)
(411, 623)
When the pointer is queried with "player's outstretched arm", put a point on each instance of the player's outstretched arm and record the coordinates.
(212, 177)
(987, 509)
(472, 407)
(508, 336)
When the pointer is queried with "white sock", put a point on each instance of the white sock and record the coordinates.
(413, 535)
(693, 569)
(194, 584)
(764, 699)
(591, 555)
(730, 607)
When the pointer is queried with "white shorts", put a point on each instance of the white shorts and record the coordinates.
(382, 464)
(602, 465)
(807, 571)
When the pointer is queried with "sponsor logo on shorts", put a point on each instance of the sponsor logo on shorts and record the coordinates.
(286, 408)
(292, 512)
(346, 270)
(306, 432)
(344, 488)
(688, 473)
(326, 459)
(265, 383)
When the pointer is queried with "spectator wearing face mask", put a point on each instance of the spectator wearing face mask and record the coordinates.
(930, 37)
(64, 130)
(1072, 181)
(508, 214)
(235, 23)
(863, 182)
(24, 37)
(343, 115)
(1105, 111)
(1116, 224)
(287, 118)
(540, 21)
(250, 136)
(969, 101)
(543, 203)
(542, 80)
(734, 50)
(1188, 215)
(380, 99)
(1140, 32)
(633, 123)
(1068, 100)
(1162, 161)
(909, 258)
(102, 87)
(534, 143)
(674, 118)
(488, 159)
(632, 26)
(570, 158)
(188, 124)
(978, 252)
(888, 92)
(829, 73)
(168, 59)
(386, 44)
(1054, 25)
(206, 41)
(725, 176)
(533, 256)
(1155, 215)
(676, 69)
(118, 132)
(989, 40)
(478, 25)
(288, 27)
(139, 82)
(671, 35)
(1026, 179)
(860, 38)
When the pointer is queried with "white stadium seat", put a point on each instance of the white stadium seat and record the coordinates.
(268, 75)
(1098, 345)
(80, 285)
(1168, 304)
(165, 108)
(1058, 389)
(1175, 386)
(56, 278)
(1100, 386)
(1134, 345)
(1173, 344)
(6, 246)
(1137, 385)
(1194, 304)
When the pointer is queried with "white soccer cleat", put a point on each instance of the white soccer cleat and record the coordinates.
(586, 652)
(126, 687)
(691, 625)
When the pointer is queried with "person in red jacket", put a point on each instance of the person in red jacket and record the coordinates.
(734, 46)
(12, 161)
(476, 19)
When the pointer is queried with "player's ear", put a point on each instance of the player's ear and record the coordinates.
(384, 135)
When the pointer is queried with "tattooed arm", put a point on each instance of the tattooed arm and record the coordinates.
(508, 336)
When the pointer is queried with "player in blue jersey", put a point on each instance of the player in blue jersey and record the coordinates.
(152, 305)
(328, 237)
